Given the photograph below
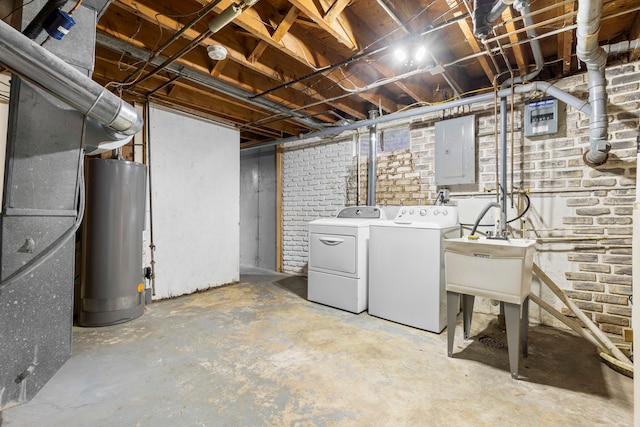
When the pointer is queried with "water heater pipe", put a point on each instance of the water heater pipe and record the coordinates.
(41, 67)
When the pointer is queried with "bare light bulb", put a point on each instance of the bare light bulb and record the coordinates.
(400, 54)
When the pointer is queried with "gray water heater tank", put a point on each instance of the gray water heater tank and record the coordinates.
(111, 283)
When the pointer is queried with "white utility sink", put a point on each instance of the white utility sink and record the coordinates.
(492, 268)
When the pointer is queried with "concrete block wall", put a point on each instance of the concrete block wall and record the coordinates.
(581, 215)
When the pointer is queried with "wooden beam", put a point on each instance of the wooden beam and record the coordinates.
(518, 53)
(565, 39)
(634, 34)
(313, 10)
(467, 31)
(216, 71)
(286, 24)
(335, 10)
(282, 29)
(254, 26)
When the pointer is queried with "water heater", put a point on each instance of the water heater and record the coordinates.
(111, 284)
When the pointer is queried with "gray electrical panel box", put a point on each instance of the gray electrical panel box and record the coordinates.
(456, 151)
(541, 117)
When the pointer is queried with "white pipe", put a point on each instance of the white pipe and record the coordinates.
(523, 8)
(589, 51)
(36, 64)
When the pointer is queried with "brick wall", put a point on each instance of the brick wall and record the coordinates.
(315, 183)
(581, 215)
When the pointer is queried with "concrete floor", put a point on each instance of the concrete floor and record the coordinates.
(258, 353)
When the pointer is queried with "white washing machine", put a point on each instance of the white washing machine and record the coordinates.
(337, 274)
(406, 266)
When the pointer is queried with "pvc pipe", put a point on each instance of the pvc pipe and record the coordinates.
(588, 51)
(522, 6)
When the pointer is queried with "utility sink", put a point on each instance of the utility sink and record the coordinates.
(493, 268)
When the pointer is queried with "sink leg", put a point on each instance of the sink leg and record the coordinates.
(467, 312)
(453, 302)
(512, 320)
(524, 327)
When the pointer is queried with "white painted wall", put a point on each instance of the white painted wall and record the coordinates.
(195, 166)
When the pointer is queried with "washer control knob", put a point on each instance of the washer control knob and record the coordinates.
(411, 212)
(445, 212)
(423, 212)
(436, 212)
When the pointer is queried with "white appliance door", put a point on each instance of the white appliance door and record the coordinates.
(333, 253)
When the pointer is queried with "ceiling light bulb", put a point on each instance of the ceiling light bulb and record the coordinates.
(401, 54)
(420, 53)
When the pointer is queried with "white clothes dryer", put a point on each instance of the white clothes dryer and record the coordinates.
(406, 266)
(338, 249)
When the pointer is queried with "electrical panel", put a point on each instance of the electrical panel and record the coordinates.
(456, 151)
(541, 117)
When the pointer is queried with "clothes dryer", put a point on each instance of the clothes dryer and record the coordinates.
(338, 266)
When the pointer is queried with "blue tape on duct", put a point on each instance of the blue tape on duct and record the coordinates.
(58, 24)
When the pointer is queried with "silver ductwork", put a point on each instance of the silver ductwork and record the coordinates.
(588, 51)
(39, 66)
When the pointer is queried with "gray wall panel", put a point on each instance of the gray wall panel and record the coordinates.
(258, 208)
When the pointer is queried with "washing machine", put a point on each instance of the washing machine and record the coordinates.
(406, 266)
(338, 268)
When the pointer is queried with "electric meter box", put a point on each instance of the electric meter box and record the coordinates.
(541, 117)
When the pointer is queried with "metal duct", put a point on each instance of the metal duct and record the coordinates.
(41, 67)
(588, 51)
